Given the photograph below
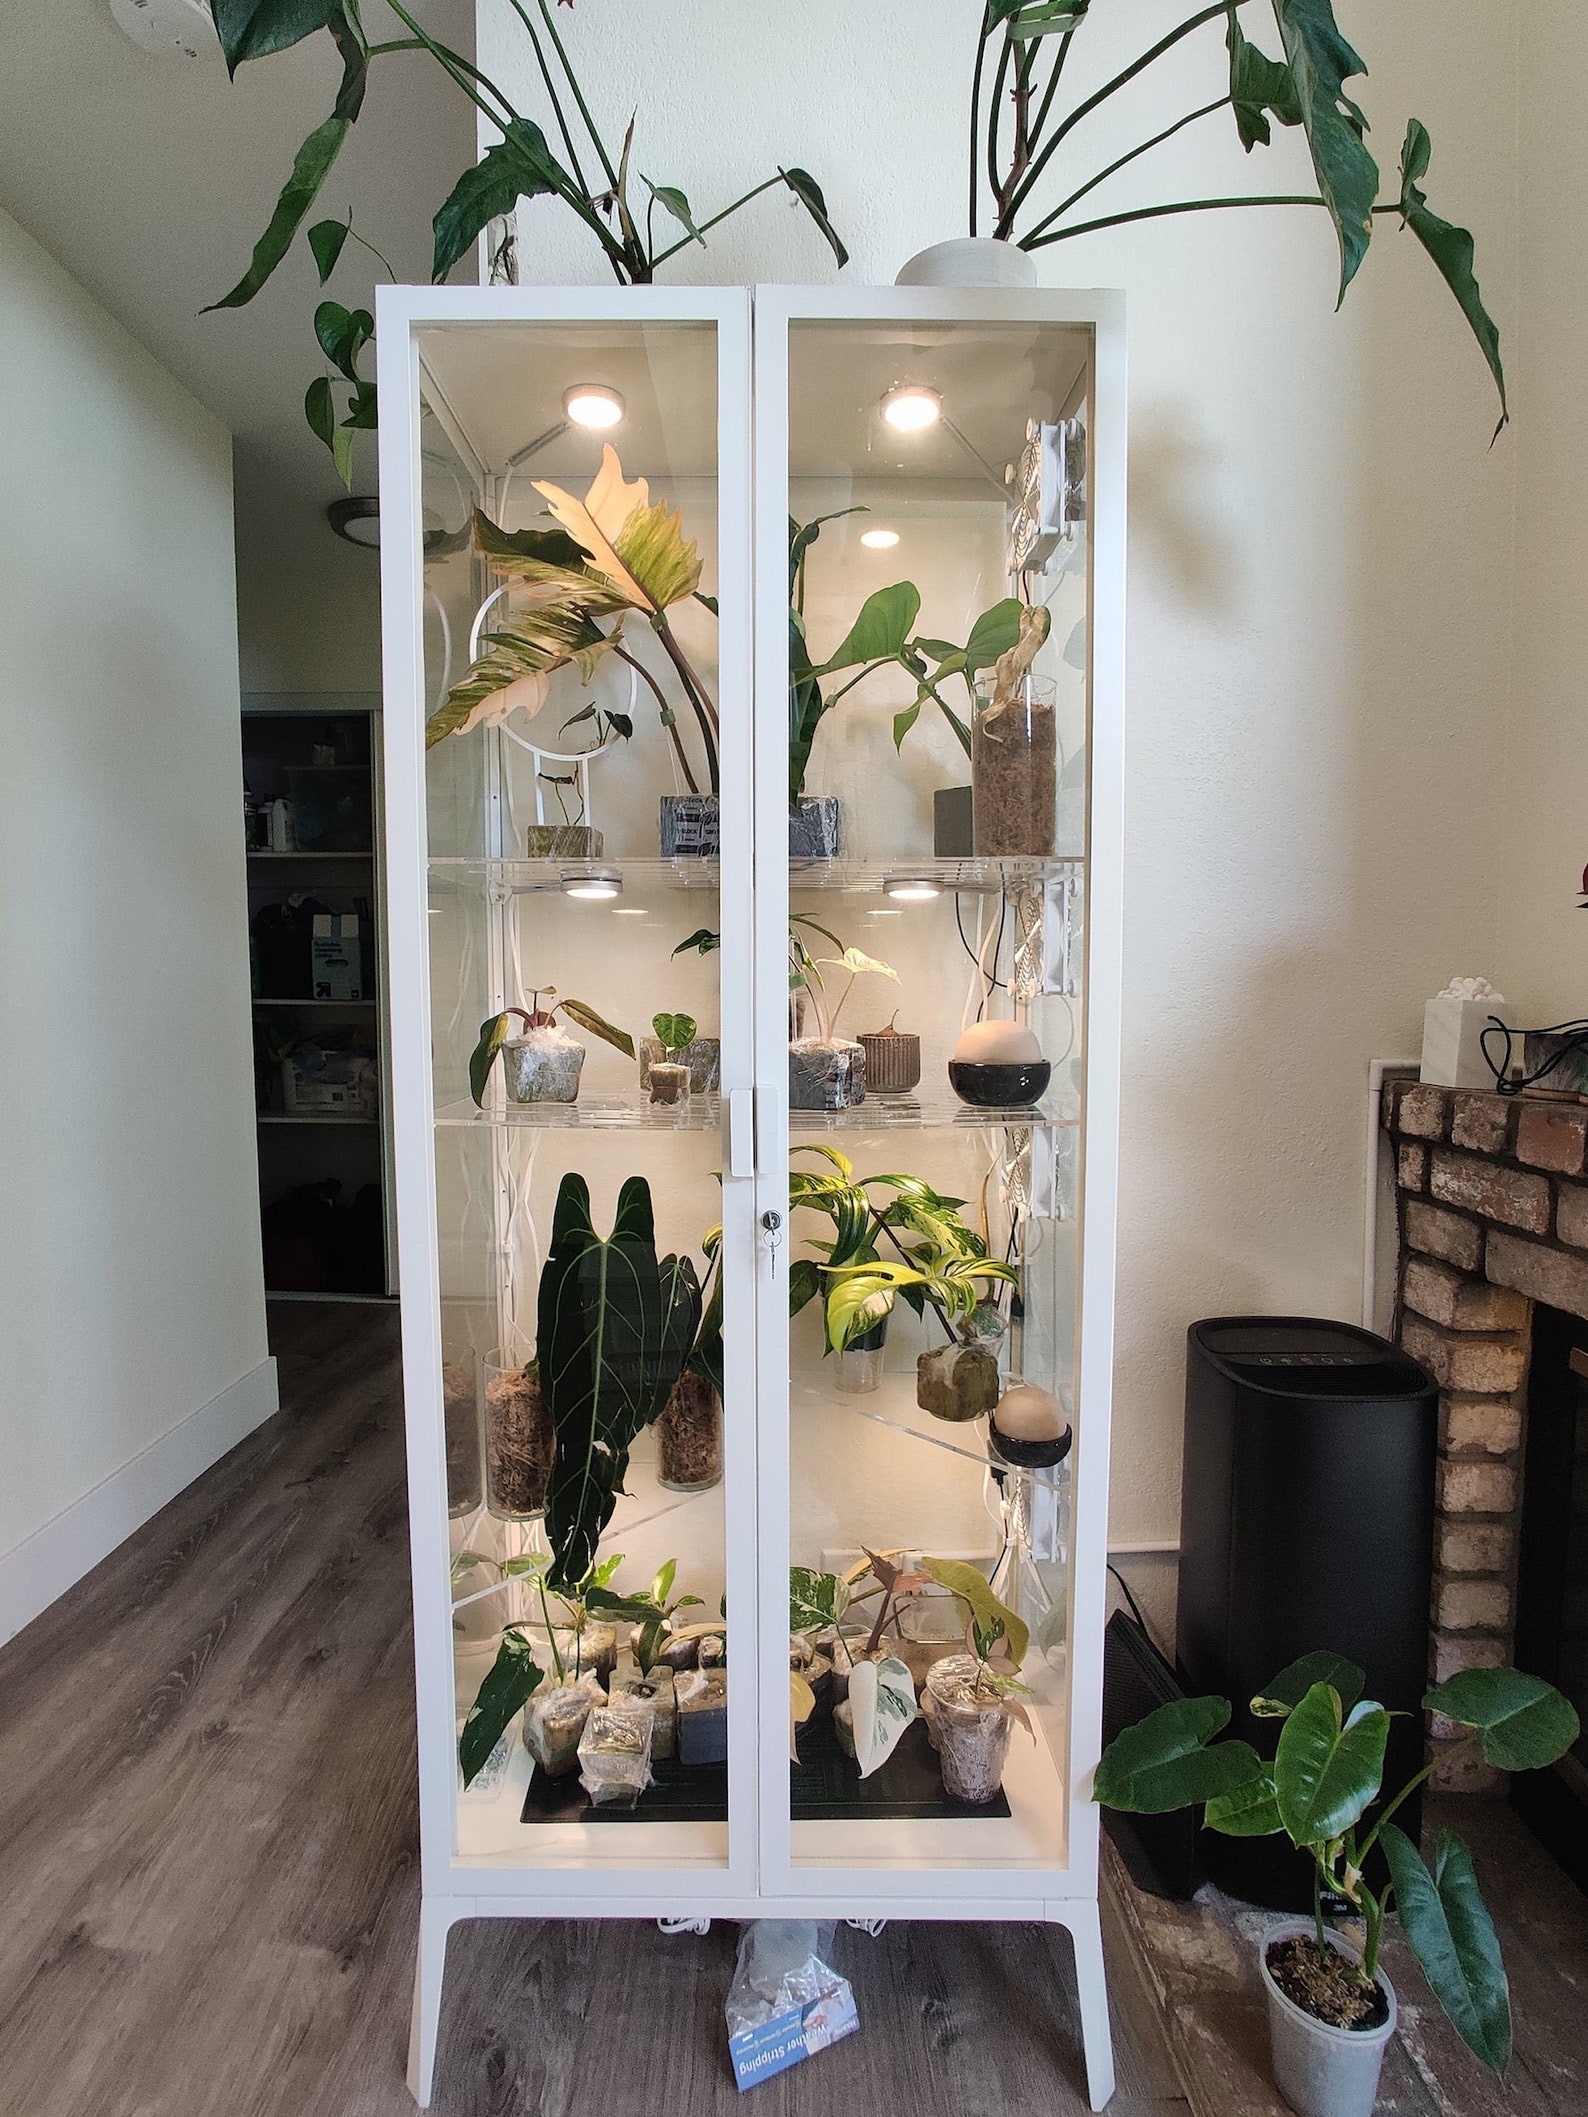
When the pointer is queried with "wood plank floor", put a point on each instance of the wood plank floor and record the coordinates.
(208, 1836)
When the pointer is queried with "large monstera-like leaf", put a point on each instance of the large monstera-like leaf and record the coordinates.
(606, 1333)
(1321, 62)
(641, 549)
(1169, 1760)
(1329, 1764)
(1451, 249)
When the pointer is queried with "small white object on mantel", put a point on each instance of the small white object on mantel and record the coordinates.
(1453, 1025)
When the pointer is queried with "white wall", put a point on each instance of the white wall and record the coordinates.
(1319, 581)
(131, 1297)
(1537, 860)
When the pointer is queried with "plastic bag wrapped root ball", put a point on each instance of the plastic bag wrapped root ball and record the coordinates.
(786, 2002)
(615, 1751)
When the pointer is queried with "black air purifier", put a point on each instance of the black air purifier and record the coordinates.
(1307, 1515)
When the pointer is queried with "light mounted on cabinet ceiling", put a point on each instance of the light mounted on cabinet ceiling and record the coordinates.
(593, 405)
(911, 889)
(879, 539)
(592, 883)
(912, 407)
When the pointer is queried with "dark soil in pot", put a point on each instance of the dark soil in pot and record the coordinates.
(1325, 1985)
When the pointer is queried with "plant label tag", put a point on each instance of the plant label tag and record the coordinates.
(798, 2032)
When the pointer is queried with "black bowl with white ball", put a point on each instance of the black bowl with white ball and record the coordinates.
(999, 1066)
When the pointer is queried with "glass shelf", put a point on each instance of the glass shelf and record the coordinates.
(703, 1113)
(857, 877)
(931, 1113)
(892, 1404)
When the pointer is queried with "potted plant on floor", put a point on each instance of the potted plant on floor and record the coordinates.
(1025, 105)
(544, 1064)
(1331, 2008)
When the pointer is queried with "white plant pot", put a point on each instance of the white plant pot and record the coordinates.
(970, 261)
(1322, 2071)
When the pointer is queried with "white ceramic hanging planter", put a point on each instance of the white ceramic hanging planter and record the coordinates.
(970, 261)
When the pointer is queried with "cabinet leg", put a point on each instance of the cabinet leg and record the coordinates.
(1091, 1982)
(435, 1923)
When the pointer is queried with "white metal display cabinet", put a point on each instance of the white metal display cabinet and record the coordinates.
(471, 379)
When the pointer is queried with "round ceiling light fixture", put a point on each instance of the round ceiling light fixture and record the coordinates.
(593, 406)
(879, 539)
(912, 408)
(592, 884)
(911, 889)
(356, 519)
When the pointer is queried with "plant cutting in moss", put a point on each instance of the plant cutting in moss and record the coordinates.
(1326, 1772)
(581, 172)
(674, 1032)
(805, 975)
(495, 1031)
(613, 554)
(1024, 121)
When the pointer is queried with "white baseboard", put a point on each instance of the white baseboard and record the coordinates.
(51, 1560)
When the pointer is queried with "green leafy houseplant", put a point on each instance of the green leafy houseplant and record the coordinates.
(1023, 124)
(495, 1031)
(581, 172)
(940, 1261)
(674, 1032)
(1325, 1774)
(881, 637)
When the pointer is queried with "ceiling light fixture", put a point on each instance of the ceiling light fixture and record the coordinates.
(592, 884)
(879, 539)
(593, 405)
(912, 408)
(911, 889)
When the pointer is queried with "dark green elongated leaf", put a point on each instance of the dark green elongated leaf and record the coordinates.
(342, 453)
(1291, 1685)
(673, 201)
(493, 1035)
(682, 1304)
(880, 631)
(348, 36)
(1259, 86)
(993, 633)
(802, 535)
(705, 1356)
(319, 408)
(1452, 1934)
(1044, 18)
(326, 239)
(253, 29)
(594, 1024)
(1326, 1772)
(1250, 1810)
(309, 170)
(1522, 1721)
(362, 414)
(809, 193)
(905, 721)
(703, 940)
(1321, 62)
(511, 1683)
(1451, 249)
(623, 1609)
(1164, 1762)
(604, 1338)
(543, 547)
(343, 334)
(520, 165)
(804, 1284)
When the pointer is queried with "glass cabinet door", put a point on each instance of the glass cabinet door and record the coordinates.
(922, 870)
(576, 1251)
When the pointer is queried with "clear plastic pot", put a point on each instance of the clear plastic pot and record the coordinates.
(972, 1738)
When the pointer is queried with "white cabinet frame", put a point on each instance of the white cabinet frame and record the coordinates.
(763, 1875)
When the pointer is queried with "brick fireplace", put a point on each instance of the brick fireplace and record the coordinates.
(1493, 1216)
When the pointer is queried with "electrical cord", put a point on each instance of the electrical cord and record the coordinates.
(1135, 1608)
(1508, 1082)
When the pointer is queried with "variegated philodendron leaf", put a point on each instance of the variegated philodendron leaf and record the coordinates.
(882, 1705)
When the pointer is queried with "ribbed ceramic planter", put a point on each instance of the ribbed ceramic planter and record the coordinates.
(1322, 2071)
(969, 261)
(893, 1060)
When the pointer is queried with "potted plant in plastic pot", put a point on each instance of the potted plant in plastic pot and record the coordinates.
(972, 1700)
(544, 1064)
(1331, 2009)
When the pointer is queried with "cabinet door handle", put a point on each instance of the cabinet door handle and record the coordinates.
(741, 1132)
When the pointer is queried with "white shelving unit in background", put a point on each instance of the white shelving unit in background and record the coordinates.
(471, 382)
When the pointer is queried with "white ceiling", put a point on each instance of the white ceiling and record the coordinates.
(150, 178)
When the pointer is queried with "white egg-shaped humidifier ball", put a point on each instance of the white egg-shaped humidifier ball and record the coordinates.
(1027, 1413)
(998, 1044)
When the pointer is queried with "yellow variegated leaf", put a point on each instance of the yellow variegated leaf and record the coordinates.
(657, 554)
(596, 521)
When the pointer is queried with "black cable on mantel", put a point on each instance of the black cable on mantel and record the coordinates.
(1509, 1083)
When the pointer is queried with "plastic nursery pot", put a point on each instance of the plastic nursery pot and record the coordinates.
(857, 1370)
(554, 1720)
(689, 1436)
(929, 1630)
(615, 1751)
(1014, 768)
(957, 1382)
(815, 828)
(690, 826)
(703, 1058)
(519, 1441)
(543, 1067)
(1320, 2070)
(655, 1686)
(972, 1738)
(826, 1073)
